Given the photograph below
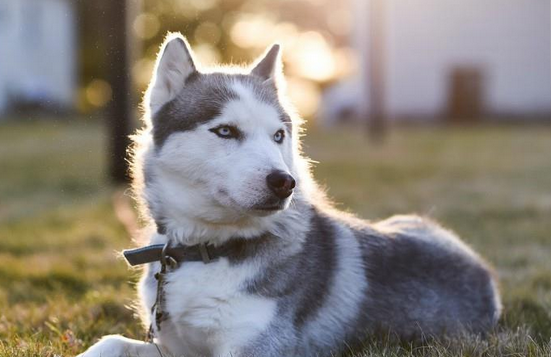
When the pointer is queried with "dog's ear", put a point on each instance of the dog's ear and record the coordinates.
(174, 65)
(268, 66)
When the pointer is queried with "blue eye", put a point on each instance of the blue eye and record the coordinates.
(278, 136)
(226, 132)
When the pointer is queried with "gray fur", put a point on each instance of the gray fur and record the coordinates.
(417, 287)
(202, 98)
(420, 288)
(294, 280)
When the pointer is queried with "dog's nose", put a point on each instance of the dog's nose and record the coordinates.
(281, 183)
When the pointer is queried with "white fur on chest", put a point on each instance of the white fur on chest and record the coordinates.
(210, 312)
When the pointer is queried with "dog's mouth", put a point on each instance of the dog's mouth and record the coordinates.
(269, 207)
(263, 207)
(265, 211)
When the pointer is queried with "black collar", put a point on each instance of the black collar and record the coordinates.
(163, 252)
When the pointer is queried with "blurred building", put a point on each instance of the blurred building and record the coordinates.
(426, 59)
(38, 54)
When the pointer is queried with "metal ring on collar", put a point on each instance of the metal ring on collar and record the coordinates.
(167, 260)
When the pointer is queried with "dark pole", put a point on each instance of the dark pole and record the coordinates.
(120, 109)
(376, 73)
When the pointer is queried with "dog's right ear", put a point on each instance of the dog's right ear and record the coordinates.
(268, 67)
(174, 65)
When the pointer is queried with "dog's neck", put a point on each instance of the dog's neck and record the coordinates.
(192, 229)
(188, 231)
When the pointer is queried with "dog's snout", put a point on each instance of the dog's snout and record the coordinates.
(281, 183)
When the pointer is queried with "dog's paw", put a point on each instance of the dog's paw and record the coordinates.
(108, 346)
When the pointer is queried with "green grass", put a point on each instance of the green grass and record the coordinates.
(62, 285)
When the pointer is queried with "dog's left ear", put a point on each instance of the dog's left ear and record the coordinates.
(269, 66)
(175, 64)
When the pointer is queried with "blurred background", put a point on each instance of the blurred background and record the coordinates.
(344, 61)
(440, 107)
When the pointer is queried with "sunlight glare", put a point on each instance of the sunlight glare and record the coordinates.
(312, 58)
(252, 31)
(304, 95)
(207, 54)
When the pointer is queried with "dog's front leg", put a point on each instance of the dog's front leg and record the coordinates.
(118, 346)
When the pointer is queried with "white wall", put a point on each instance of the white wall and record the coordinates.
(7, 29)
(509, 39)
(38, 52)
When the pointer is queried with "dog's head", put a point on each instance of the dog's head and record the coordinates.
(221, 141)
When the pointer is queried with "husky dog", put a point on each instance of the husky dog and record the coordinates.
(219, 164)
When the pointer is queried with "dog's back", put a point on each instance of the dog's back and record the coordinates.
(425, 282)
(405, 276)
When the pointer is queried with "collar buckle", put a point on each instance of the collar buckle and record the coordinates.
(204, 253)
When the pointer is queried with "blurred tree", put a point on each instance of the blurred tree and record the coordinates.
(120, 108)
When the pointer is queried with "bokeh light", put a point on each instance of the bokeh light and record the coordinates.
(252, 31)
(142, 71)
(98, 92)
(315, 47)
(312, 58)
(207, 54)
(304, 95)
(207, 32)
(146, 25)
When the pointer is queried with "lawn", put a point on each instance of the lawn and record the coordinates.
(62, 285)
